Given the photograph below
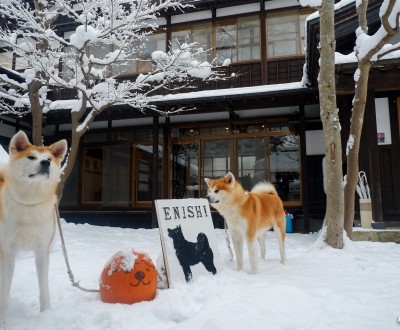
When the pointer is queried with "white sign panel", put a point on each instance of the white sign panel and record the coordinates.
(188, 238)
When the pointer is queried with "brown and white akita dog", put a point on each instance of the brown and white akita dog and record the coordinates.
(249, 215)
(27, 216)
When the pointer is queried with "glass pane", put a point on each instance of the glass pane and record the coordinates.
(202, 35)
(126, 66)
(6, 59)
(251, 161)
(100, 52)
(217, 158)
(226, 43)
(248, 39)
(69, 63)
(179, 38)
(92, 175)
(185, 171)
(282, 34)
(116, 175)
(285, 166)
(154, 42)
(144, 173)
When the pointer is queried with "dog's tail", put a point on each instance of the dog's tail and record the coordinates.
(264, 188)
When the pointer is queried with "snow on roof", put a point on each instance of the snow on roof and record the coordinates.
(233, 91)
(68, 104)
(314, 3)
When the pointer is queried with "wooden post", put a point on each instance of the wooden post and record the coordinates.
(154, 186)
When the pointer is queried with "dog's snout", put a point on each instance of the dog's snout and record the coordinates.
(45, 163)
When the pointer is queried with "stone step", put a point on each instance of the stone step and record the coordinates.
(374, 235)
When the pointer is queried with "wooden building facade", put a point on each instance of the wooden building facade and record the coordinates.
(262, 125)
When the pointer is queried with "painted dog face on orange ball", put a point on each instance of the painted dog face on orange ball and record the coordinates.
(128, 277)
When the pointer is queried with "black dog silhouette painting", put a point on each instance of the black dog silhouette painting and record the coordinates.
(190, 254)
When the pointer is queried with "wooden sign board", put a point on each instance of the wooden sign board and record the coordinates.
(188, 239)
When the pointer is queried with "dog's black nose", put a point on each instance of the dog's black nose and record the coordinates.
(45, 163)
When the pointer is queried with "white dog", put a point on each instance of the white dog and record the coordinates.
(27, 215)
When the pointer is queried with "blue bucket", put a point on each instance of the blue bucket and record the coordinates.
(289, 223)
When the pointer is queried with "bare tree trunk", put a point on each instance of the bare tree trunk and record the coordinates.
(357, 120)
(360, 97)
(37, 112)
(334, 217)
(73, 148)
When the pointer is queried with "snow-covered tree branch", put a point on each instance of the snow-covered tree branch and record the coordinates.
(93, 47)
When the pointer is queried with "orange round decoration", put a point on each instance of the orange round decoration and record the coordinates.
(128, 277)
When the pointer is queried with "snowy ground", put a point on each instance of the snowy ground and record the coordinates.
(318, 288)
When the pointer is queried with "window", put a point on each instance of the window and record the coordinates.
(185, 170)
(251, 158)
(285, 33)
(285, 166)
(154, 42)
(6, 59)
(27, 44)
(248, 35)
(225, 42)
(179, 37)
(202, 35)
(119, 175)
(93, 175)
(144, 173)
(235, 39)
(116, 175)
(253, 151)
(217, 158)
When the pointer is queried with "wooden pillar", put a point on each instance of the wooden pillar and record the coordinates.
(166, 181)
(369, 159)
(154, 186)
(395, 147)
(303, 166)
(263, 43)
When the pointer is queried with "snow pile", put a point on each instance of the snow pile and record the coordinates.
(122, 260)
(318, 287)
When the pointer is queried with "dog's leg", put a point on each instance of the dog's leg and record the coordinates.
(7, 265)
(238, 247)
(253, 254)
(261, 241)
(280, 235)
(188, 272)
(42, 268)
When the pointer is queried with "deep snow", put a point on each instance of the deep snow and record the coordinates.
(318, 287)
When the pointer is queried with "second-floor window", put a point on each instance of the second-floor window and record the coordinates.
(234, 39)
(285, 33)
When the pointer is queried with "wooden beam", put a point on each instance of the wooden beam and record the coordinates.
(154, 186)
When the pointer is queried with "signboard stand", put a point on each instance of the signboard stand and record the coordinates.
(188, 240)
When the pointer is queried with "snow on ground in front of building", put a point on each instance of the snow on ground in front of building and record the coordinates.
(318, 287)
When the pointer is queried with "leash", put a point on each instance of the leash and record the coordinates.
(69, 271)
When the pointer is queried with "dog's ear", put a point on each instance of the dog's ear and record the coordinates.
(19, 142)
(208, 181)
(230, 179)
(59, 149)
